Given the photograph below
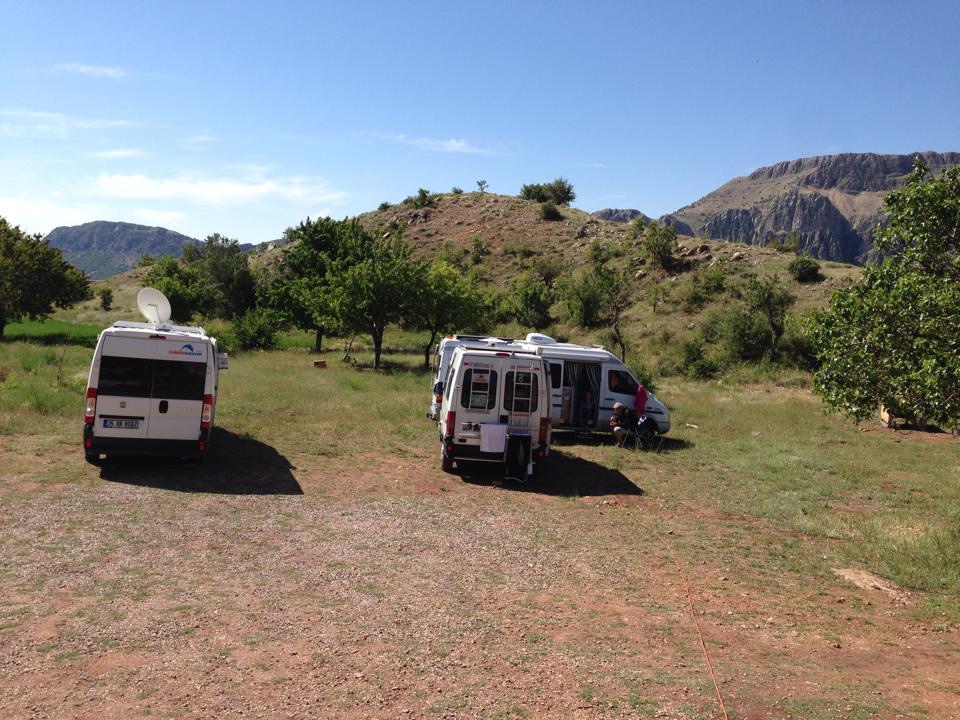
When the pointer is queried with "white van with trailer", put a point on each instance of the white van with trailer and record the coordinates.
(575, 371)
(152, 387)
(495, 408)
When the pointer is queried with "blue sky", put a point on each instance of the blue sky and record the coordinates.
(245, 118)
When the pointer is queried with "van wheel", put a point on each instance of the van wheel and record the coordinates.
(446, 464)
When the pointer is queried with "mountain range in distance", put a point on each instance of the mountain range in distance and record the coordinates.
(832, 203)
(103, 248)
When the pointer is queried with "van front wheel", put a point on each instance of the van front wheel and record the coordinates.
(446, 464)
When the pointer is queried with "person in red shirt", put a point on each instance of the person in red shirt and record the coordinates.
(640, 403)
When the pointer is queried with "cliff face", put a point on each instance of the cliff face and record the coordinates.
(618, 215)
(832, 203)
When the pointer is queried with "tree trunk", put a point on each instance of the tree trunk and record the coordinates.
(426, 350)
(318, 340)
(3, 323)
(377, 336)
(619, 340)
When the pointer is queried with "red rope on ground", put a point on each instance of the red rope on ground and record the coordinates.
(686, 586)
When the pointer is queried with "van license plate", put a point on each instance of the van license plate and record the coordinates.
(113, 424)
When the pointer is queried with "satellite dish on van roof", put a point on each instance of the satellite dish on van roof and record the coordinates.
(153, 305)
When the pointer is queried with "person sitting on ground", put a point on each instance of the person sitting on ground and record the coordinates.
(620, 422)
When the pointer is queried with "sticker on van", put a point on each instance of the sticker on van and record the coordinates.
(186, 349)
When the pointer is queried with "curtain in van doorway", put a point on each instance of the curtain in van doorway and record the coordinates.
(592, 372)
(571, 376)
(583, 377)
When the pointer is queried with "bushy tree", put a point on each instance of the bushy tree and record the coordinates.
(442, 299)
(893, 339)
(582, 297)
(771, 300)
(559, 192)
(530, 300)
(804, 269)
(106, 298)
(550, 211)
(657, 244)
(370, 282)
(34, 277)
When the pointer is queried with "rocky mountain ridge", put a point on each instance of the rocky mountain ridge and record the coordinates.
(831, 203)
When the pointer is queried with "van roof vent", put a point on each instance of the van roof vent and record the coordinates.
(540, 339)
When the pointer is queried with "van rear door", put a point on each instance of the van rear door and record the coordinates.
(179, 379)
(123, 388)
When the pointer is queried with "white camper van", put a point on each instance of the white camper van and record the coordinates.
(585, 382)
(152, 387)
(495, 408)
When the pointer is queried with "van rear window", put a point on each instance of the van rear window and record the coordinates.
(479, 389)
(128, 377)
(177, 380)
(520, 392)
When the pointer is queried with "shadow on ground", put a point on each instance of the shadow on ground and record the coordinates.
(562, 474)
(235, 465)
(661, 444)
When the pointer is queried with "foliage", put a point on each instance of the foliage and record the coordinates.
(657, 244)
(530, 298)
(482, 186)
(788, 244)
(34, 277)
(479, 249)
(582, 297)
(255, 330)
(559, 192)
(384, 206)
(548, 268)
(371, 281)
(771, 300)
(300, 292)
(146, 260)
(893, 339)
(212, 278)
(550, 211)
(443, 300)
(106, 298)
(694, 362)
(422, 199)
(703, 286)
(456, 190)
(804, 269)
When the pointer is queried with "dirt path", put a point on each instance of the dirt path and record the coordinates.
(321, 587)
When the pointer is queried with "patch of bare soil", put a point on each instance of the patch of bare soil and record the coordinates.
(358, 588)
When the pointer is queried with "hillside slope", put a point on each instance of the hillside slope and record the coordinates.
(833, 203)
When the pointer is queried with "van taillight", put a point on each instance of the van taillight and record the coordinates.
(451, 421)
(91, 410)
(544, 429)
(438, 398)
(207, 413)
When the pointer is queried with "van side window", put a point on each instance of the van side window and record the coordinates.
(479, 389)
(556, 372)
(126, 377)
(521, 391)
(621, 382)
(178, 380)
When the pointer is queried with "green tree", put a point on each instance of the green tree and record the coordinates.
(482, 186)
(371, 282)
(442, 299)
(34, 277)
(657, 244)
(559, 192)
(106, 298)
(617, 292)
(771, 300)
(299, 290)
(530, 298)
(893, 339)
(582, 296)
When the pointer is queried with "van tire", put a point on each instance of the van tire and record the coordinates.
(446, 464)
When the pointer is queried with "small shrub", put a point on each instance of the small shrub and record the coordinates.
(694, 362)
(479, 249)
(146, 260)
(549, 211)
(423, 199)
(384, 206)
(482, 186)
(106, 298)
(456, 190)
(804, 269)
(255, 329)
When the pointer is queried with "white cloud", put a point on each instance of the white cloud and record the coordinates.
(43, 215)
(201, 139)
(452, 145)
(158, 217)
(115, 154)
(219, 192)
(97, 71)
(35, 124)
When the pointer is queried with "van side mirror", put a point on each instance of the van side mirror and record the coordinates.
(222, 361)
